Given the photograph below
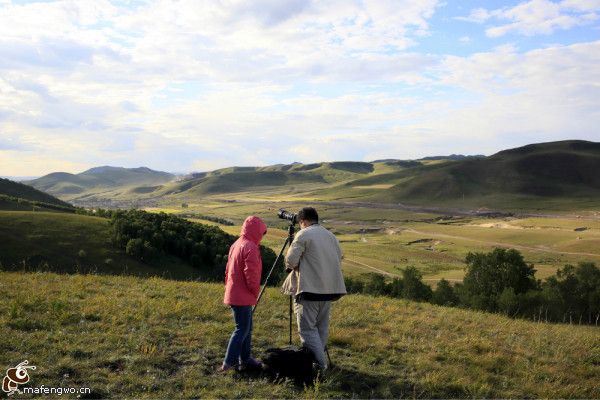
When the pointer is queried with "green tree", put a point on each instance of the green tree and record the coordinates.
(444, 294)
(488, 274)
(135, 248)
(413, 287)
(508, 302)
(376, 285)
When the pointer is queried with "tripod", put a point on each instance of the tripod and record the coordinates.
(288, 240)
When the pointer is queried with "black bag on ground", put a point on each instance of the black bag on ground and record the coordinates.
(290, 362)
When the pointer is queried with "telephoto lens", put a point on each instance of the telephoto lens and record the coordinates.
(283, 214)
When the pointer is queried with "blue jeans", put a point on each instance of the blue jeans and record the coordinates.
(240, 344)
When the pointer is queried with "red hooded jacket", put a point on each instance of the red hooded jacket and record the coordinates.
(244, 265)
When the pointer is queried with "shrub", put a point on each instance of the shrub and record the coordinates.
(148, 236)
(489, 274)
(413, 287)
(444, 294)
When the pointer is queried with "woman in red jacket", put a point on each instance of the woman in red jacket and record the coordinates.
(242, 286)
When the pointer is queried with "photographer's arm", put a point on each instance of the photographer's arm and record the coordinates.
(292, 259)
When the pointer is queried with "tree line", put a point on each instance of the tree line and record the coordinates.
(501, 281)
(34, 204)
(148, 236)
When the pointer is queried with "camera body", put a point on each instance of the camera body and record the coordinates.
(290, 216)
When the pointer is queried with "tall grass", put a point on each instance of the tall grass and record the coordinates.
(154, 338)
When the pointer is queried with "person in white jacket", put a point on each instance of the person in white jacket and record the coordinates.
(316, 255)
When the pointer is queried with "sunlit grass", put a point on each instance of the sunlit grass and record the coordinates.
(153, 338)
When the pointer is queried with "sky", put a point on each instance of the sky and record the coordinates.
(194, 85)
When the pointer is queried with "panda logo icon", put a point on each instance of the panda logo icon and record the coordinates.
(16, 376)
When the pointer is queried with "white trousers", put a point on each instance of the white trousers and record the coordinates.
(313, 326)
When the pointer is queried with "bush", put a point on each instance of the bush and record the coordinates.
(135, 248)
(413, 287)
(489, 274)
(444, 294)
(150, 236)
(376, 285)
(501, 281)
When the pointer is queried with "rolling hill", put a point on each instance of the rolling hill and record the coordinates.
(542, 172)
(238, 179)
(104, 179)
(64, 242)
(17, 196)
(558, 175)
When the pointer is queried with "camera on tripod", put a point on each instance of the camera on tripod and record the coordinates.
(293, 218)
(283, 214)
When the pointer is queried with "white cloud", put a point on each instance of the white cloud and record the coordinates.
(198, 85)
(535, 17)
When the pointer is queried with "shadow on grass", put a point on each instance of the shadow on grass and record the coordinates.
(346, 382)
(355, 383)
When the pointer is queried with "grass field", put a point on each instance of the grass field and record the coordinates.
(153, 338)
(73, 243)
(387, 240)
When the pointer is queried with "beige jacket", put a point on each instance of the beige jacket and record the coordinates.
(317, 255)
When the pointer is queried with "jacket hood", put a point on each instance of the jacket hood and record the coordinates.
(253, 229)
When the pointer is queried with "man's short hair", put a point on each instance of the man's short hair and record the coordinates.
(308, 214)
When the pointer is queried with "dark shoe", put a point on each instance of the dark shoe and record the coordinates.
(251, 363)
(319, 371)
(223, 369)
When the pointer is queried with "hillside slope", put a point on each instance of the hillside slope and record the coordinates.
(17, 196)
(73, 243)
(546, 172)
(238, 179)
(101, 179)
(548, 169)
(153, 338)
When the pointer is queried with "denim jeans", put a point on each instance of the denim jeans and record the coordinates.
(240, 343)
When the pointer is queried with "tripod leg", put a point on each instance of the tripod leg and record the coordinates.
(291, 320)
(270, 272)
(328, 357)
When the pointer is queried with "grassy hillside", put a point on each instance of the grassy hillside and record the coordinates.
(551, 176)
(239, 179)
(153, 338)
(541, 171)
(100, 179)
(73, 243)
(17, 196)
(556, 176)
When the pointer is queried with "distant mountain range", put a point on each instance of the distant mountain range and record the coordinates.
(537, 172)
(99, 179)
(451, 157)
(567, 168)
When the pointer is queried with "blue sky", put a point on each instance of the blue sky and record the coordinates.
(191, 86)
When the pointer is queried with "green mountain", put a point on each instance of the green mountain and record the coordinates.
(17, 196)
(559, 174)
(238, 179)
(101, 179)
(555, 170)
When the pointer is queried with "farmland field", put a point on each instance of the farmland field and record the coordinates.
(387, 240)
